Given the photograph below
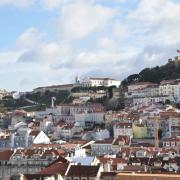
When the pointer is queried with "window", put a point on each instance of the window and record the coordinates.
(83, 178)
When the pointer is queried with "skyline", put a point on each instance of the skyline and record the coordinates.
(48, 42)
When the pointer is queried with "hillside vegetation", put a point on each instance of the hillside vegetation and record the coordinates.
(171, 70)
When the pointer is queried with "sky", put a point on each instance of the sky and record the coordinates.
(48, 42)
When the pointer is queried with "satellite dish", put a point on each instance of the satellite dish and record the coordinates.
(16, 95)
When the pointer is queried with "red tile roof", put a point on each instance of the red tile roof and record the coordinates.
(56, 86)
(34, 133)
(107, 141)
(124, 139)
(83, 171)
(56, 168)
(114, 161)
(5, 155)
(93, 78)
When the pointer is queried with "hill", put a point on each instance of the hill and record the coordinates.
(171, 70)
(38, 101)
(33, 101)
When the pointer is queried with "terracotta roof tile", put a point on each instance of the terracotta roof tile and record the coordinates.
(5, 155)
(83, 171)
(56, 168)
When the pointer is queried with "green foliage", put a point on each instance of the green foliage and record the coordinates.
(35, 108)
(45, 98)
(2, 108)
(155, 75)
(130, 79)
(86, 89)
(9, 103)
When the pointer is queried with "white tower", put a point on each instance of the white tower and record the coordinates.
(53, 99)
(77, 80)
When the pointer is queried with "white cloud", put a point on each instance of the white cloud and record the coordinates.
(120, 1)
(30, 38)
(160, 18)
(9, 56)
(120, 30)
(154, 12)
(79, 20)
(51, 4)
(107, 44)
(94, 40)
(49, 53)
(18, 3)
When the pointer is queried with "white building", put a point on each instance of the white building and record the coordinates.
(91, 82)
(139, 85)
(20, 137)
(100, 148)
(142, 89)
(65, 130)
(46, 124)
(170, 88)
(88, 119)
(17, 116)
(38, 137)
(102, 134)
(68, 111)
(148, 100)
(123, 129)
(147, 92)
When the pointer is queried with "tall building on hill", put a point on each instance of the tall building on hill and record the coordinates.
(95, 82)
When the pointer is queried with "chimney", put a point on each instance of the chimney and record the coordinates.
(107, 166)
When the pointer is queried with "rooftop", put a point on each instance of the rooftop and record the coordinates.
(83, 171)
(5, 155)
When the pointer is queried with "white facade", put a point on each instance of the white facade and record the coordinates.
(89, 118)
(102, 148)
(147, 100)
(170, 88)
(102, 134)
(45, 125)
(146, 92)
(20, 137)
(67, 132)
(91, 82)
(123, 129)
(41, 138)
(142, 90)
(139, 85)
(72, 109)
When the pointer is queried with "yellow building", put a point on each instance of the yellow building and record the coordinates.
(139, 131)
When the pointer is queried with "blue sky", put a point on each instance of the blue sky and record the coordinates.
(46, 42)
